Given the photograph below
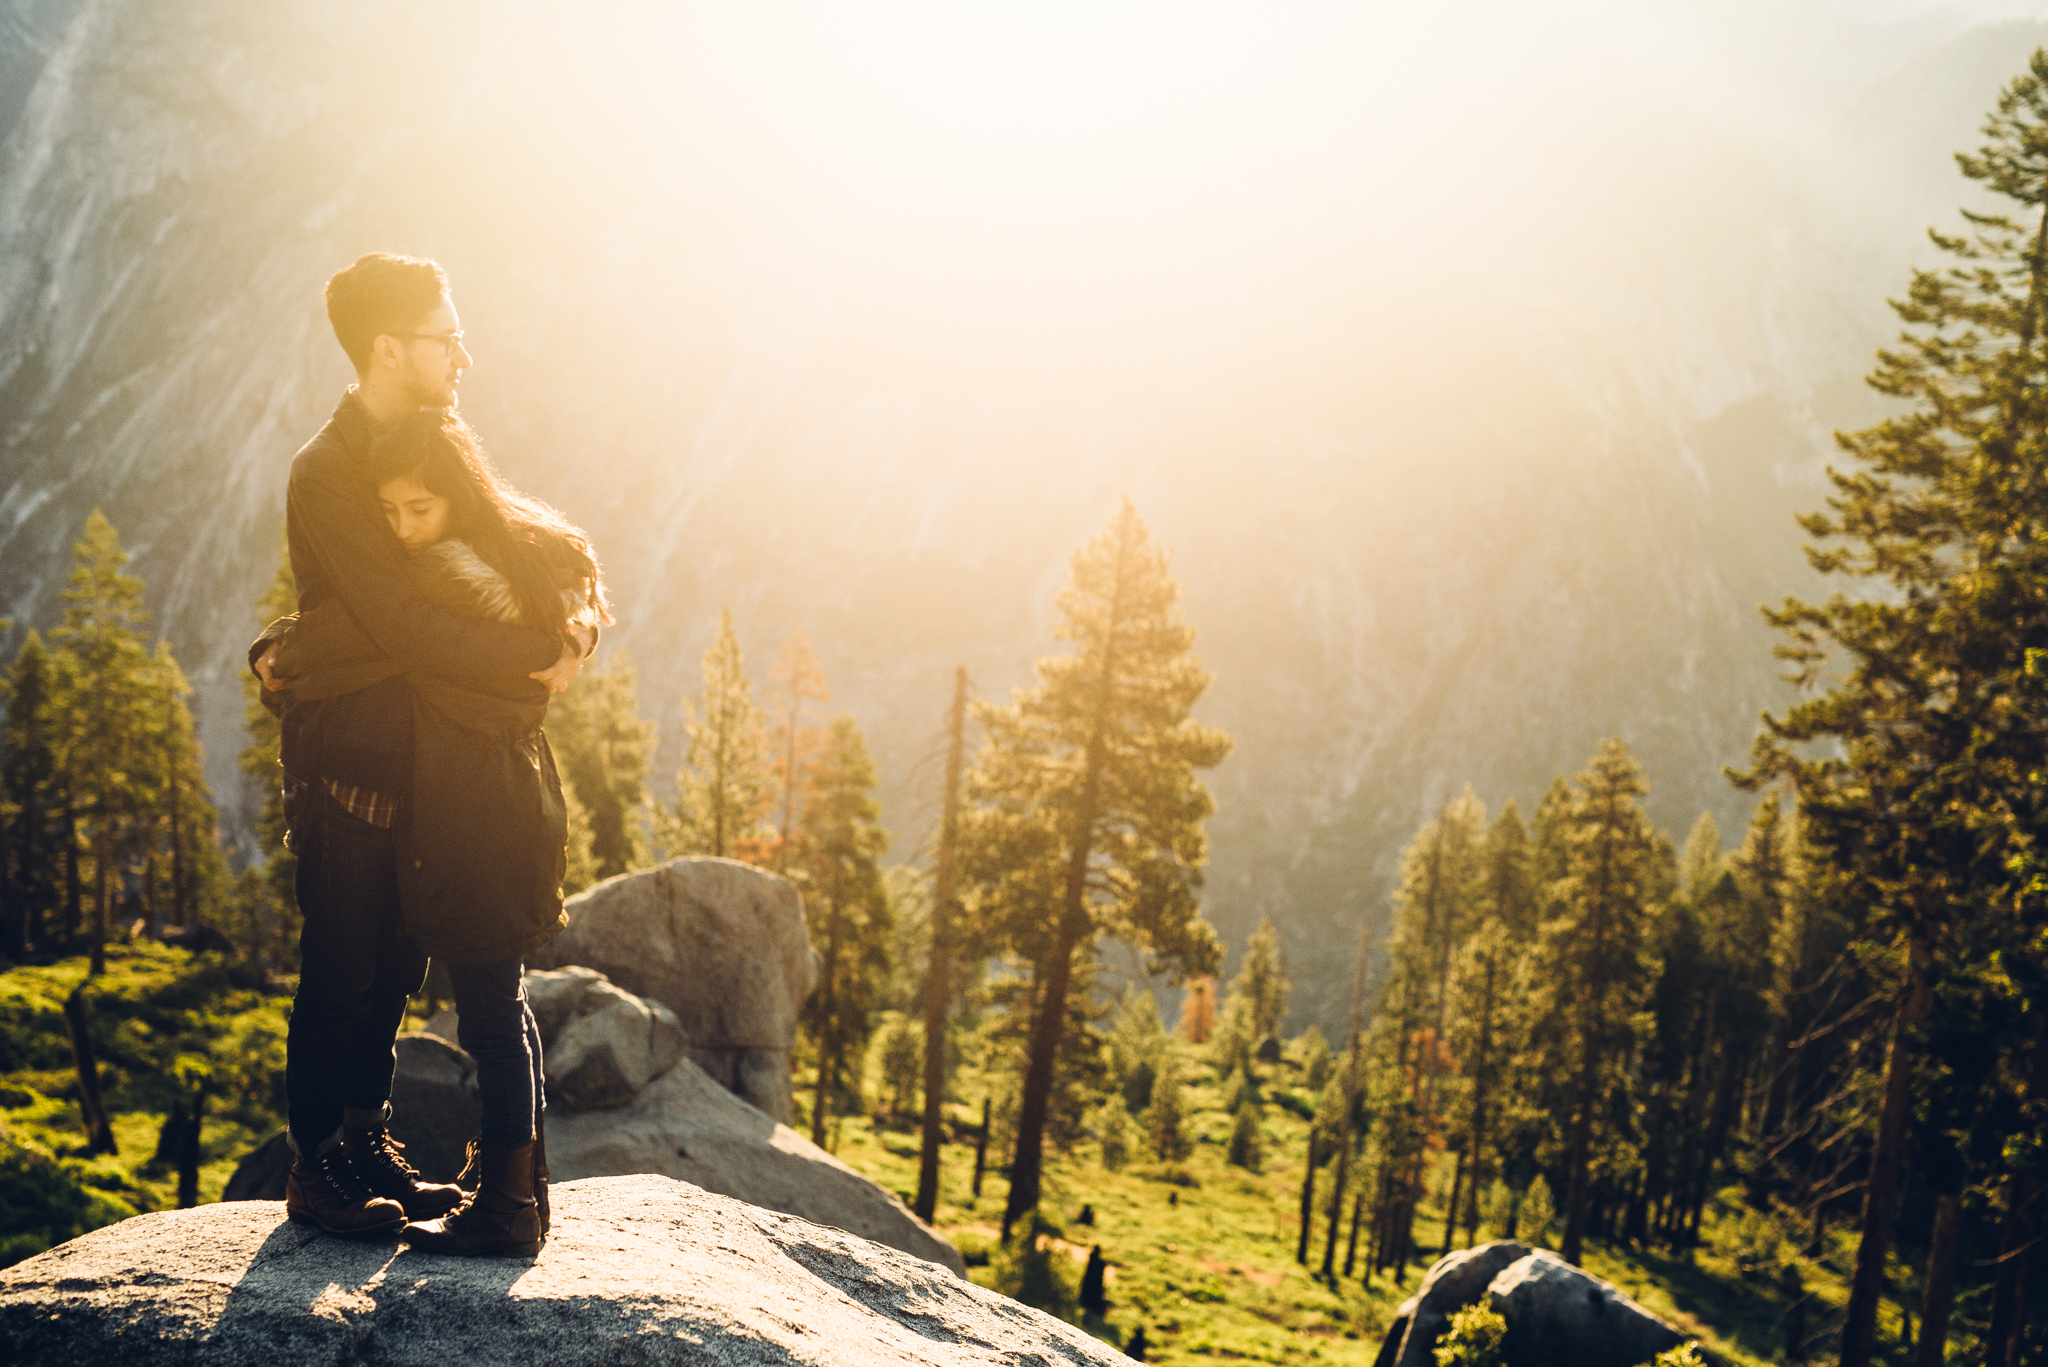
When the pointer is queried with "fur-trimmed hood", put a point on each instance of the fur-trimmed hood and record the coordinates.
(489, 591)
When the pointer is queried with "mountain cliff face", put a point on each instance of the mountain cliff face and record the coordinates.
(1503, 471)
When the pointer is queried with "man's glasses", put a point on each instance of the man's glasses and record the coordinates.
(450, 341)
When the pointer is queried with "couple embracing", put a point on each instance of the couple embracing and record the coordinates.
(439, 609)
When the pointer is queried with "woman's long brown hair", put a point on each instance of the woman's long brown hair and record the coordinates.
(539, 551)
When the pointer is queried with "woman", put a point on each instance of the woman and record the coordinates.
(484, 831)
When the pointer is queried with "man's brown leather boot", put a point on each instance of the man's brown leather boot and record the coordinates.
(499, 1220)
(380, 1161)
(325, 1191)
(540, 1172)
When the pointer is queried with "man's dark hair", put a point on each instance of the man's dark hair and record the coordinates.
(380, 294)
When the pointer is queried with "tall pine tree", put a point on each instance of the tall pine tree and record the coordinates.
(1088, 815)
(848, 909)
(1919, 719)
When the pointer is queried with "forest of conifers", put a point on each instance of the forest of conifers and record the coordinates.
(1843, 1020)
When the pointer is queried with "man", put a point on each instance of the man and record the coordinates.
(347, 759)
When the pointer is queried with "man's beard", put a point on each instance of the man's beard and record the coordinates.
(428, 395)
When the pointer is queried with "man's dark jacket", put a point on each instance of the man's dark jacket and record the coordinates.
(343, 549)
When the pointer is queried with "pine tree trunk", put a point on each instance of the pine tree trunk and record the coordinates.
(1351, 1245)
(100, 895)
(1308, 1198)
(1336, 1219)
(1579, 1159)
(1027, 1166)
(188, 1154)
(180, 903)
(2009, 1290)
(1938, 1297)
(936, 986)
(99, 1129)
(1451, 1210)
(981, 1149)
(1881, 1194)
(828, 1031)
(74, 891)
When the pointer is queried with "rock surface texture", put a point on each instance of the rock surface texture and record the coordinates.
(1557, 1314)
(720, 943)
(638, 1269)
(1457, 1280)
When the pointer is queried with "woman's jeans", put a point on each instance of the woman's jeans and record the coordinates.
(498, 1031)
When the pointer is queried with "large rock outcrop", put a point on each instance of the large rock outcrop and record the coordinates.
(1558, 1315)
(1562, 1316)
(1457, 1280)
(720, 943)
(638, 1269)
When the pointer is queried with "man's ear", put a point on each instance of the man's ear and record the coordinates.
(384, 347)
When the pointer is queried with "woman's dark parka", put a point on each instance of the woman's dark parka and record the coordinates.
(483, 830)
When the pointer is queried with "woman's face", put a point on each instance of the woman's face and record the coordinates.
(415, 512)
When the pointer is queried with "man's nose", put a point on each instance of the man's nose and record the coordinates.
(463, 360)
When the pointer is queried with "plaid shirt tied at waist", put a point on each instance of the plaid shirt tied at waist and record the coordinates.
(363, 804)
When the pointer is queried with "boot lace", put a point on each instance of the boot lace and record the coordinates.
(342, 1177)
(381, 1160)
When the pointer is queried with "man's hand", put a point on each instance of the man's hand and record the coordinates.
(266, 667)
(558, 675)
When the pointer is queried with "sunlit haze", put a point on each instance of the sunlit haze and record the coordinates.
(1473, 359)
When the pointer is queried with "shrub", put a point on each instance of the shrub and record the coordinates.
(1497, 1209)
(1238, 1089)
(1315, 1060)
(43, 1202)
(1247, 1138)
(1024, 1269)
(1113, 1128)
(1538, 1210)
(1684, 1355)
(1166, 1130)
(902, 1068)
(1477, 1337)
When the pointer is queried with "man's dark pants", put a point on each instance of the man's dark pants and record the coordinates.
(357, 966)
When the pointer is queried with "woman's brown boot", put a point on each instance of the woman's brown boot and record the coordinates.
(499, 1220)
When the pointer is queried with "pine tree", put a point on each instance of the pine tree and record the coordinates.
(1485, 1039)
(848, 909)
(1436, 908)
(1260, 981)
(606, 750)
(31, 801)
(1166, 1119)
(1596, 954)
(579, 867)
(188, 823)
(1918, 692)
(726, 784)
(263, 911)
(1088, 815)
(793, 743)
(107, 740)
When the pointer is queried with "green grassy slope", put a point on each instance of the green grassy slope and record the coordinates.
(1209, 1268)
(164, 1021)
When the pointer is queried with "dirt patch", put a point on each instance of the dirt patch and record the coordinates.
(1249, 1273)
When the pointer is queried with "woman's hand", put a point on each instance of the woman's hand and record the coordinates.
(558, 675)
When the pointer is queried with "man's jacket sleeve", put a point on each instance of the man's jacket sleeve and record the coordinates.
(367, 568)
